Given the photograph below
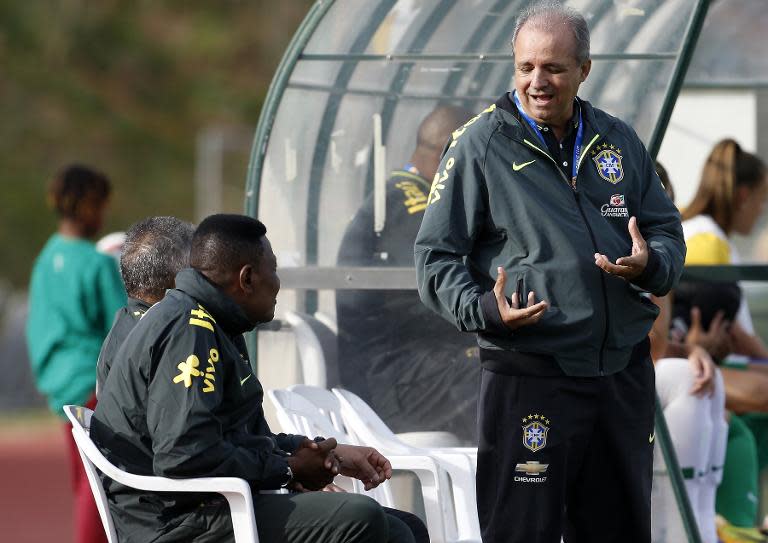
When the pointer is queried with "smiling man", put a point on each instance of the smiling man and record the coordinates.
(561, 198)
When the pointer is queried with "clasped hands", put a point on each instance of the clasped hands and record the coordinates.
(514, 315)
(315, 464)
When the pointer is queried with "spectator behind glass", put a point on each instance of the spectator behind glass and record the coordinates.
(417, 372)
(74, 293)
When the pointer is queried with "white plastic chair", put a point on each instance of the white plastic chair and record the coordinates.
(461, 468)
(365, 426)
(362, 422)
(327, 403)
(318, 355)
(316, 342)
(298, 415)
(236, 491)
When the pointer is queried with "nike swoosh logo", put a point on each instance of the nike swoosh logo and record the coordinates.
(651, 438)
(242, 381)
(517, 167)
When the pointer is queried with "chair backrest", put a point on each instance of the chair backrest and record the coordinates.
(366, 425)
(325, 401)
(235, 490)
(80, 417)
(304, 418)
(328, 321)
(318, 350)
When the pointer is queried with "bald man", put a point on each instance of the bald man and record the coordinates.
(417, 372)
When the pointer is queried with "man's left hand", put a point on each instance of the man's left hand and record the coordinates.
(363, 463)
(628, 267)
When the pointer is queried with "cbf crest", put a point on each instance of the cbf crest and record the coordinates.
(535, 430)
(607, 158)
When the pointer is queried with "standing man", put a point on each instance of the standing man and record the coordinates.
(546, 222)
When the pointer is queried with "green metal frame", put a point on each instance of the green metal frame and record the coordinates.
(673, 91)
(365, 33)
(266, 120)
(272, 102)
(280, 83)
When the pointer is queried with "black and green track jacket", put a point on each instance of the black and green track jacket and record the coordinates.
(125, 319)
(181, 400)
(499, 199)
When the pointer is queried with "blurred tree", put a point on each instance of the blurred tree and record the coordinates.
(125, 86)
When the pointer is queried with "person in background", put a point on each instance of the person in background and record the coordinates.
(417, 373)
(691, 393)
(74, 292)
(153, 252)
(730, 199)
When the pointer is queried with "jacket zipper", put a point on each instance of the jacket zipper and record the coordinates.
(577, 197)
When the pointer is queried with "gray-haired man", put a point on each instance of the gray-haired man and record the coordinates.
(563, 199)
(155, 250)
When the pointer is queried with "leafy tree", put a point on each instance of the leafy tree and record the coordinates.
(124, 86)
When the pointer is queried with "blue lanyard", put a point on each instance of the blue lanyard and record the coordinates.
(576, 145)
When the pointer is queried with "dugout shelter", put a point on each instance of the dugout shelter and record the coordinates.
(344, 107)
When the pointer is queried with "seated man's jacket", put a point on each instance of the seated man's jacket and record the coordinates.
(181, 400)
(125, 319)
(499, 199)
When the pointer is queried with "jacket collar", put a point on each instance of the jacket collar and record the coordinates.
(513, 126)
(221, 307)
(136, 306)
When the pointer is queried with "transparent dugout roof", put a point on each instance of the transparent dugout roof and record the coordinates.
(342, 114)
(353, 62)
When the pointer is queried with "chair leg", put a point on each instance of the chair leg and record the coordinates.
(432, 489)
(243, 519)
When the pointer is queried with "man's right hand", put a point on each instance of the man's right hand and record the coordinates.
(314, 464)
(513, 315)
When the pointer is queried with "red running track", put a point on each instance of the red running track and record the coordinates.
(35, 497)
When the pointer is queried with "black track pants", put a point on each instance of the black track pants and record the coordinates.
(566, 456)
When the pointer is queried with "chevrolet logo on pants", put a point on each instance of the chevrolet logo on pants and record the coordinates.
(532, 467)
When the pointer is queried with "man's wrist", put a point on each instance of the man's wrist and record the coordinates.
(489, 307)
(288, 477)
(645, 279)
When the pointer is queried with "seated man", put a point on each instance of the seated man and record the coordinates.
(181, 400)
(153, 252)
(417, 372)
